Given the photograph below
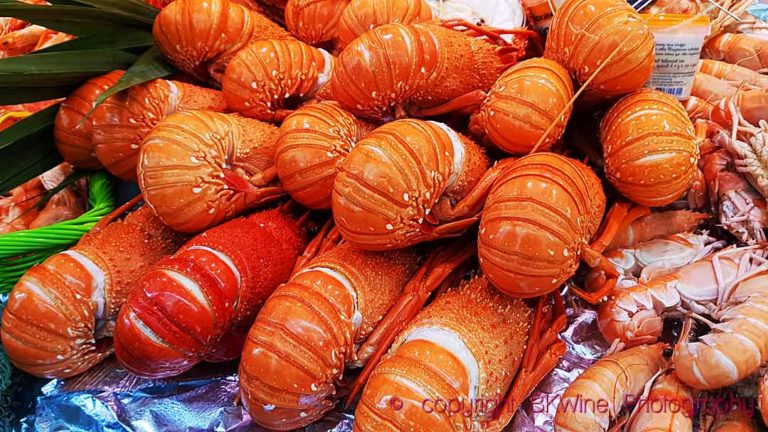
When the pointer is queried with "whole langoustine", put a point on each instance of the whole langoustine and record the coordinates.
(312, 143)
(72, 130)
(467, 346)
(740, 49)
(199, 168)
(201, 36)
(407, 182)
(268, 79)
(121, 122)
(196, 304)
(61, 313)
(613, 380)
(434, 69)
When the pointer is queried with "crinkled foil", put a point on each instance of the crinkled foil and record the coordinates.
(107, 398)
(585, 346)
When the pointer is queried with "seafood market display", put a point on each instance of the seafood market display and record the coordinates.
(384, 208)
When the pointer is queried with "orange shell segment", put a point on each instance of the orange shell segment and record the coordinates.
(267, 79)
(537, 217)
(522, 105)
(73, 139)
(361, 16)
(314, 21)
(312, 143)
(584, 33)
(650, 148)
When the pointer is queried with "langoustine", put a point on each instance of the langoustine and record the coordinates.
(611, 382)
(407, 182)
(740, 49)
(469, 348)
(321, 322)
(196, 304)
(312, 143)
(677, 407)
(201, 36)
(435, 69)
(199, 168)
(61, 313)
(121, 122)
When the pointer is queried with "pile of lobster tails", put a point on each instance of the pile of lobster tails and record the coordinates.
(389, 210)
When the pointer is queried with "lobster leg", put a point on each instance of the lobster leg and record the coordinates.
(464, 104)
(542, 354)
(473, 203)
(431, 275)
(326, 238)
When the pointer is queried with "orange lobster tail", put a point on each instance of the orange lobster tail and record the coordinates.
(74, 140)
(311, 145)
(268, 78)
(393, 185)
(60, 312)
(584, 33)
(307, 332)
(361, 16)
(650, 149)
(201, 36)
(122, 121)
(314, 21)
(521, 106)
(466, 346)
(199, 168)
(537, 217)
(185, 304)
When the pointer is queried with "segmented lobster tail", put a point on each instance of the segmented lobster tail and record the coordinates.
(60, 312)
(181, 310)
(72, 130)
(307, 332)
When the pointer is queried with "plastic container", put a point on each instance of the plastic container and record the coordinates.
(679, 39)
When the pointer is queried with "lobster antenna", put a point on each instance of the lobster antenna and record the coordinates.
(729, 13)
(577, 94)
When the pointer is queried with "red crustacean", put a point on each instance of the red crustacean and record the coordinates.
(196, 305)
(61, 313)
(326, 318)
(430, 69)
(650, 148)
(199, 168)
(200, 36)
(73, 136)
(526, 99)
(472, 345)
(122, 122)
(604, 38)
(407, 182)
(267, 79)
(311, 145)
(361, 16)
(314, 21)
(539, 216)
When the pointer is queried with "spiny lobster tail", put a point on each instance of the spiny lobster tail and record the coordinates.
(361, 16)
(60, 311)
(183, 309)
(73, 136)
(121, 123)
(308, 331)
(314, 21)
(466, 345)
(200, 36)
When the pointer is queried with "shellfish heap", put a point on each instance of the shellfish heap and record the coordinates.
(457, 171)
